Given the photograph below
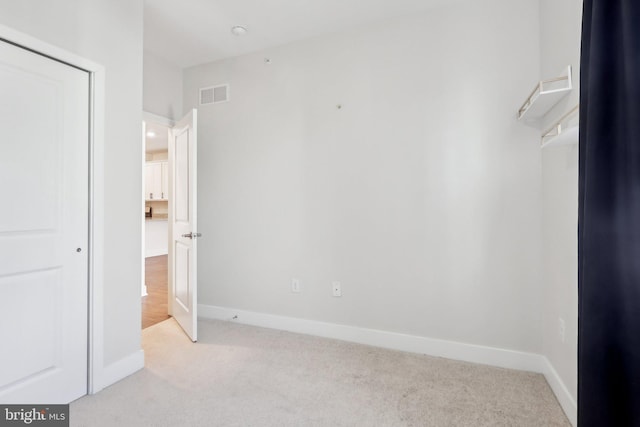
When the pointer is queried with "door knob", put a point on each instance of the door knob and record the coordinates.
(192, 235)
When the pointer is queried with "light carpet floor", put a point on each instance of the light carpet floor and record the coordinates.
(238, 375)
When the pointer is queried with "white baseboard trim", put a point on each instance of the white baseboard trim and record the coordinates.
(411, 343)
(568, 403)
(492, 356)
(119, 370)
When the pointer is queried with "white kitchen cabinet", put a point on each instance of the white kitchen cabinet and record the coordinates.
(165, 179)
(150, 181)
(156, 181)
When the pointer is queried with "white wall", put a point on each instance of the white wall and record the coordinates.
(560, 46)
(108, 32)
(162, 87)
(421, 194)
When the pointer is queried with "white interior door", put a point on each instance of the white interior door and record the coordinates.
(44, 118)
(183, 251)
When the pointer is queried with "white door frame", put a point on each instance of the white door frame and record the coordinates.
(96, 378)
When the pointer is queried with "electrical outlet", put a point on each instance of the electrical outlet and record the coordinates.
(337, 289)
(295, 286)
(561, 329)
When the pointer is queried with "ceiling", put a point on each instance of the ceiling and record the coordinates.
(192, 32)
(157, 137)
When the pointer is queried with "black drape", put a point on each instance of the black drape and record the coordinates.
(609, 215)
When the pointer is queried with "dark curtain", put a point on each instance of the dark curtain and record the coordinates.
(609, 215)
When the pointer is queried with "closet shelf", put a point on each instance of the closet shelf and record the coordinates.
(564, 132)
(545, 95)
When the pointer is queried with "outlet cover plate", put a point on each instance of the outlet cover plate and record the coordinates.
(337, 289)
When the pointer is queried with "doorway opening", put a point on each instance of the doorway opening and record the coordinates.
(155, 228)
(169, 199)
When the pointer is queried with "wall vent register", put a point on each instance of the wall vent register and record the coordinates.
(214, 94)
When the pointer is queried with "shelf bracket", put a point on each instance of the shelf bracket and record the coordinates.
(564, 131)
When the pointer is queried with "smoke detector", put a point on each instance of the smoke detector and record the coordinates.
(238, 30)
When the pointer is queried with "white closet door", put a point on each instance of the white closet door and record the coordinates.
(44, 116)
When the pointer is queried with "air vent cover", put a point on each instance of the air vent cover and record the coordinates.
(214, 94)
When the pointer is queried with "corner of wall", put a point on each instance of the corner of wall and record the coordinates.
(560, 26)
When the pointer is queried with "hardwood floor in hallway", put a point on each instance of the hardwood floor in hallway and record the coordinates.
(155, 304)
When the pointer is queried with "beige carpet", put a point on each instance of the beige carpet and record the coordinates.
(240, 375)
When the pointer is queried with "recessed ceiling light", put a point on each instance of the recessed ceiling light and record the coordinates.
(151, 134)
(238, 30)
